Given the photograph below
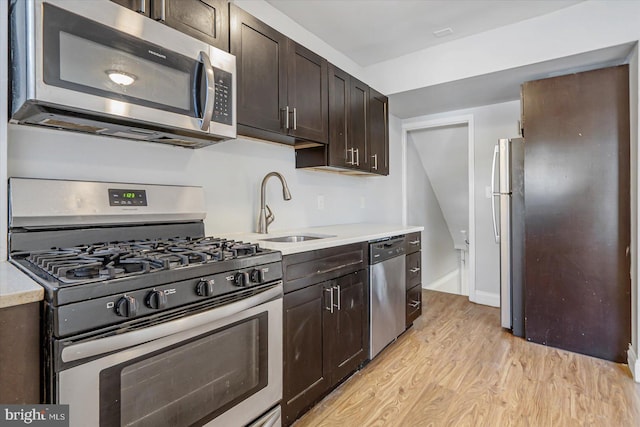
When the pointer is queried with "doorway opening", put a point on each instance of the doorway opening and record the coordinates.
(438, 193)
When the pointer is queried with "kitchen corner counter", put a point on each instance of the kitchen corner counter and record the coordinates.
(16, 287)
(340, 235)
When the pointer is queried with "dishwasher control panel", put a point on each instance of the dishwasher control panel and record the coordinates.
(382, 250)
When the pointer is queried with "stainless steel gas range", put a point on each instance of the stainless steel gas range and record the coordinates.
(146, 321)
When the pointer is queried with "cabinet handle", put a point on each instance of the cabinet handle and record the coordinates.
(143, 7)
(357, 150)
(286, 116)
(375, 161)
(414, 242)
(337, 288)
(163, 11)
(350, 150)
(330, 308)
(414, 304)
(295, 119)
(415, 270)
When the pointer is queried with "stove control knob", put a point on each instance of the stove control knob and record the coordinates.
(127, 306)
(156, 299)
(204, 288)
(256, 275)
(241, 279)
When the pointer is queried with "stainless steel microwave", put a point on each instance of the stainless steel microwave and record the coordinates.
(95, 66)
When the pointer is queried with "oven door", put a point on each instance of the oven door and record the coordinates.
(221, 367)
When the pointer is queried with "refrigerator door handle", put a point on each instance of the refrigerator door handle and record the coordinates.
(496, 235)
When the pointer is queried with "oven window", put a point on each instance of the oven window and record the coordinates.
(189, 383)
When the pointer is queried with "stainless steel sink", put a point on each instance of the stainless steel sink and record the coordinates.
(297, 238)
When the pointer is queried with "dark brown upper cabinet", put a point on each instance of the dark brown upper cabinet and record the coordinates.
(282, 86)
(307, 94)
(206, 20)
(339, 149)
(140, 6)
(378, 133)
(358, 129)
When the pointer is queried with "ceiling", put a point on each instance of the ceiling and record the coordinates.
(498, 87)
(371, 31)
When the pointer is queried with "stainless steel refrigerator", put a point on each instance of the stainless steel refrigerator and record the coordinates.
(507, 204)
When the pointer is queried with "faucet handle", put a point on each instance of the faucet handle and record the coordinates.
(270, 217)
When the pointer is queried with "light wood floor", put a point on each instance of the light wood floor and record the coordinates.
(457, 367)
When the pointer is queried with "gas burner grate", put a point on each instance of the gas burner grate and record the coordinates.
(111, 260)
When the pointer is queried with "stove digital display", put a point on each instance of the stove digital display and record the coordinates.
(125, 197)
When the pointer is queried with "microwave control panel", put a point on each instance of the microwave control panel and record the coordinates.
(223, 105)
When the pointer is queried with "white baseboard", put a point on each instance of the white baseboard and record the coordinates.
(487, 298)
(449, 283)
(634, 363)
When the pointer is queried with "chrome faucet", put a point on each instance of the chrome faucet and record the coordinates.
(265, 216)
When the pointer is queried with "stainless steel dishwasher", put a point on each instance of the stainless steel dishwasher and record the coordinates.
(387, 292)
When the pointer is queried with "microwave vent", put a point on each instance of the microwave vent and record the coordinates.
(132, 135)
(180, 142)
(71, 126)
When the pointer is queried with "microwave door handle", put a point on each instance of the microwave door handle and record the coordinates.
(205, 120)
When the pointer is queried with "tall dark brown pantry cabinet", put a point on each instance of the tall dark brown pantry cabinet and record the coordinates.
(577, 204)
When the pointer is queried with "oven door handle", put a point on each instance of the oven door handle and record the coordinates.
(130, 339)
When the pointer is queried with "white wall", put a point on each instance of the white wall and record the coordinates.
(438, 254)
(587, 26)
(443, 152)
(230, 172)
(490, 123)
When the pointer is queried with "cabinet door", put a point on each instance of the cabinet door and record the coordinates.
(307, 94)
(206, 20)
(304, 368)
(140, 6)
(261, 54)
(358, 112)
(412, 242)
(378, 133)
(348, 326)
(339, 95)
(414, 304)
(414, 273)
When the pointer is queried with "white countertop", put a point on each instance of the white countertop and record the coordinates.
(16, 287)
(340, 235)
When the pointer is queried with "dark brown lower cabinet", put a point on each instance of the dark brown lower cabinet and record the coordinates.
(20, 354)
(414, 304)
(325, 339)
(413, 264)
